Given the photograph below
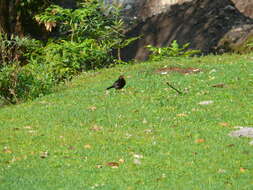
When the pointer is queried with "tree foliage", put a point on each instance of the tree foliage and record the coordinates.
(83, 38)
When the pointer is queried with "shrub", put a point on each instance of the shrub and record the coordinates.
(67, 58)
(174, 50)
(87, 37)
(16, 49)
(20, 79)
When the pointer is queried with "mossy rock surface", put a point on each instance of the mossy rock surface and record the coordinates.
(237, 40)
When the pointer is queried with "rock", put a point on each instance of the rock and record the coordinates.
(245, 7)
(212, 26)
(237, 40)
(243, 132)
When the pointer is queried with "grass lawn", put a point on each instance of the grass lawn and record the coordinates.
(143, 137)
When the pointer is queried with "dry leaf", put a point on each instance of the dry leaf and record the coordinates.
(128, 135)
(7, 150)
(181, 115)
(99, 166)
(121, 161)
(44, 154)
(242, 170)
(199, 140)
(92, 108)
(87, 146)
(27, 127)
(221, 85)
(206, 102)
(162, 177)
(148, 130)
(221, 171)
(137, 161)
(113, 164)
(223, 124)
(144, 121)
(138, 156)
(50, 25)
(54, 11)
(96, 128)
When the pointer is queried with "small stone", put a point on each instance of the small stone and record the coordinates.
(243, 132)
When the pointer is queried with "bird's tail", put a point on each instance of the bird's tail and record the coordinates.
(110, 87)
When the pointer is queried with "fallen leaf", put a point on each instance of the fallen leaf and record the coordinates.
(113, 164)
(148, 130)
(223, 124)
(44, 154)
(160, 178)
(206, 102)
(96, 128)
(242, 170)
(92, 108)
(181, 115)
(27, 127)
(144, 121)
(137, 161)
(231, 145)
(212, 71)
(121, 161)
(199, 140)
(128, 135)
(139, 156)
(221, 85)
(7, 150)
(221, 171)
(99, 166)
(87, 146)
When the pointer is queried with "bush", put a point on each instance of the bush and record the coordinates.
(86, 40)
(174, 50)
(24, 83)
(15, 80)
(67, 58)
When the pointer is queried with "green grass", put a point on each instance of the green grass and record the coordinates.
(183, 144)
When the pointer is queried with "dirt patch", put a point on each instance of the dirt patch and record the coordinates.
(189, 70)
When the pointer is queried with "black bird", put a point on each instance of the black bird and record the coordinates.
(118, 84)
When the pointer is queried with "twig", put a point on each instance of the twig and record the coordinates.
(179, 92)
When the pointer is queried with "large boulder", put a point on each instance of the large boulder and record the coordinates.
(239, 40)
(245, 7)
(208, 25)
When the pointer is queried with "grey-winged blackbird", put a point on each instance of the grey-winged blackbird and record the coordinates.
(118, 84)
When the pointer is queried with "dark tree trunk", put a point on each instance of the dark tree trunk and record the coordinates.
(10, 17)
(4, 15)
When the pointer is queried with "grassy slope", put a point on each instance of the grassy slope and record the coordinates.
(183, 144)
